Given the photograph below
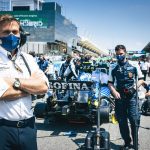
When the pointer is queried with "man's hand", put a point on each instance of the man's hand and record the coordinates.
(11, 93)
(114, 92)
(147, 94)
(116, 95)
(9, 81)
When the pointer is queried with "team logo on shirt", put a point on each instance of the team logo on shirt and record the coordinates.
(130, 74)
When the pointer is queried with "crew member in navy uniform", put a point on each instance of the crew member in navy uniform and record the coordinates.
(122, 83)
(147, 87)
(20, 77)
(64, 67)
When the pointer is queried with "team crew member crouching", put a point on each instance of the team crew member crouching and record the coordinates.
(123, 76)
(147, 87)
(20, 77)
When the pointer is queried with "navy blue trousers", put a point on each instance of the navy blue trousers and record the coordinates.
(12, 138)
(125, 108)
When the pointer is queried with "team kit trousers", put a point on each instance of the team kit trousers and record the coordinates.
(19, 135)
(125, 108)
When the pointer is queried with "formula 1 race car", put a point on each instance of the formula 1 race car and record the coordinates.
(77, 100)
(73, 100)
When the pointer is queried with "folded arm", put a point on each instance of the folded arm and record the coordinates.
(7, 92)
(35, 84)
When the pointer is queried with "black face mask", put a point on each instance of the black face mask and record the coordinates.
(77, 66)
(120, 59)
(68, 60)
(41, 60)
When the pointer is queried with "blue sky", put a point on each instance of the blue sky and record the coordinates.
(110, 22)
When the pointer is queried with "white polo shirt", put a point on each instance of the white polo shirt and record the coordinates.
(20, 108)
(145, 66)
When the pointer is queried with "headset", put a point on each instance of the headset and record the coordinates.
(23, 36)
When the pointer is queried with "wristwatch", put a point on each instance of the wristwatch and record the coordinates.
(16, 84)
